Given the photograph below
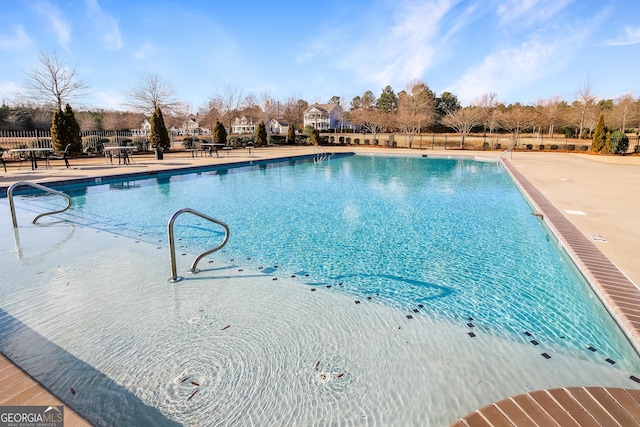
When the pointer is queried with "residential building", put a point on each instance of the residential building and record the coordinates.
(277, 127)
(326, 117)
(244, 124)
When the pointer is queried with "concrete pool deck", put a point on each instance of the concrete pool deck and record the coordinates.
(592, 192)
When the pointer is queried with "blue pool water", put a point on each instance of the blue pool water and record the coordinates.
(450, 238)
(364, 290)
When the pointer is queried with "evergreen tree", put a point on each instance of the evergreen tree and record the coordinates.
(57, 130)
(388, 101)
(619, 142)
(159, 135)
(261, 134)
(291, 135)
(72, 130)
(315, 137)
(219, 133)
(607, 143)
(599, 136)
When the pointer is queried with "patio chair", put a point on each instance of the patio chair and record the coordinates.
(63, 155)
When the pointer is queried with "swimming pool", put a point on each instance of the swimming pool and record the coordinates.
(414, 257)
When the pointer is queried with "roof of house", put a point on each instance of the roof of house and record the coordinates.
(324, 107)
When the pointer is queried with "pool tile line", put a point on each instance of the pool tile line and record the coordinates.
(617, 292)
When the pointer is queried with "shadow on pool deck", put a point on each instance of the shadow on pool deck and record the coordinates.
(95, 396)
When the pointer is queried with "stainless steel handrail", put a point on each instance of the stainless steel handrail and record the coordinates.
(503, 153)
(172, 248)
(320, 154)
(39, 187)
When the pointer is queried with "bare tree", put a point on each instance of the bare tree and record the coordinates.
(551, 111)
(151, 91)
(585, 99)
(463, 120)
(227, 101)
(515, 119)
(209, 113)
(293, 111)
(416, 109)
(270, 108)
(52, 83)
(624, 110)
(118, 120)
(488, 103)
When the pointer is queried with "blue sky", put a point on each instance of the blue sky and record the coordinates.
(522, 50)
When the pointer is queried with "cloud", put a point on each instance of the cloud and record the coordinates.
(107, 100)
(506, 70)
(106, 25)
(145, 51)
(529, 12)
(630, 36)
(402, 49)
(55, 17)
(9, 90)
(18, 39)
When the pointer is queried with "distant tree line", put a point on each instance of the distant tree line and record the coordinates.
(416, 109)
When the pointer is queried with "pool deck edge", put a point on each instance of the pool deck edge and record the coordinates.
(617, 292)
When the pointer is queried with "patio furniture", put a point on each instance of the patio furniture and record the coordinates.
(63, 155)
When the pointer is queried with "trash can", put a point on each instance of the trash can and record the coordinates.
(159, 155)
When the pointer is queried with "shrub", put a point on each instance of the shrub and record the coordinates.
(554, 147)
(188, 143)
(356, 140)
(571, 147)
(529, 147)
(485, 146)
(541, 147)
(348, 140)
(619, 142)
(141, 143)
(584, 147)
(498, 146)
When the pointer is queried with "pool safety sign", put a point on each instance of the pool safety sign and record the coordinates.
(32, 416)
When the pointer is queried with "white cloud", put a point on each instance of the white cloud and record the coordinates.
(529, 12)
(106, 25)
(18, 39)
(145, 51)
(630, 36)
(106, 100)
(55, 17)
(403, 49)
(506, 70)
(9, 90)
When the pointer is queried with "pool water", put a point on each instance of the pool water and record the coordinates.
(439, 263)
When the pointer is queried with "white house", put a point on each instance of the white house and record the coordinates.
(244, 124)
(277, 127)
(326, 117)
(145, 129)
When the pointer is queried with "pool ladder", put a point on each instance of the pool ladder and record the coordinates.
(39, 187)
(320, 154)
(503, 153)
(172, 246)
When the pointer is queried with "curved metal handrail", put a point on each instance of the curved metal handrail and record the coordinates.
(320, 154)
(503, 153)
(172, 246)
(39, 187)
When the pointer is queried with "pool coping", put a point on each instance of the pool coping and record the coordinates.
(27, 391)
(620, 296)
